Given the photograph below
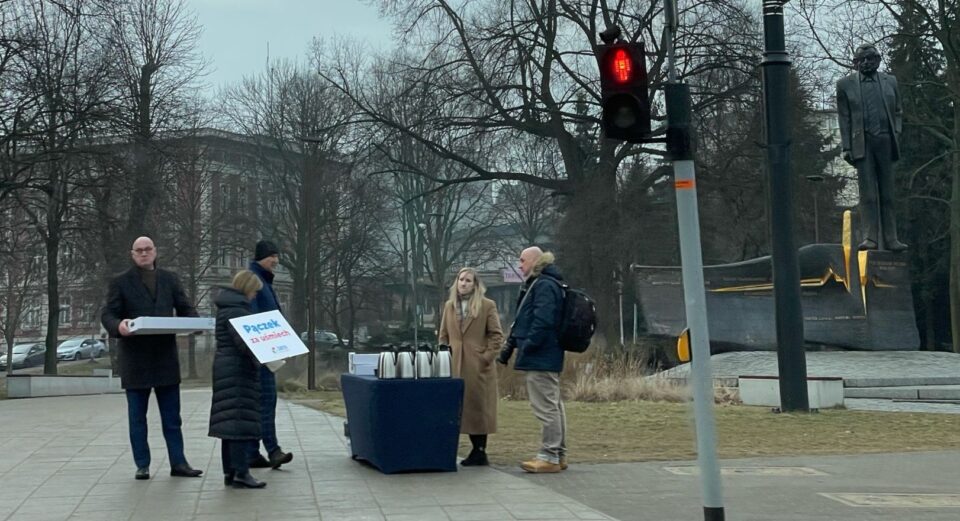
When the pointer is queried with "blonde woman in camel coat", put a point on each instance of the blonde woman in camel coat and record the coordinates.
(471, 327)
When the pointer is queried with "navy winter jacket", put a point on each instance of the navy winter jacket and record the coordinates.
(535, 332)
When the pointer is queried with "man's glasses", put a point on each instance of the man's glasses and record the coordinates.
(141, 251)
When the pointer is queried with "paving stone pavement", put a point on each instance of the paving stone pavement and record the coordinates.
(875, 487)
(68, 458)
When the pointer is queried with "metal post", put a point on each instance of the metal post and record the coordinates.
(680, 146)
(307, 183)
(620, 305)
(786, 270)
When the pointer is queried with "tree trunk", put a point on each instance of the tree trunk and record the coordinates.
(53, 288)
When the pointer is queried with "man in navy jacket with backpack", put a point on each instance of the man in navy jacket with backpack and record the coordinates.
(535, 336)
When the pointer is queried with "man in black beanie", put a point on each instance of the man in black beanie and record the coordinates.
(266, 257)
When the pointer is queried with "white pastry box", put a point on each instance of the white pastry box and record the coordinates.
(363, 364)
(170, 325)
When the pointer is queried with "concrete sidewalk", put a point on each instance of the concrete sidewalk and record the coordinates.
(69, 458)
(876, 487)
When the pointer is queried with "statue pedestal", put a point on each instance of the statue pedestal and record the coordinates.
(858, 300)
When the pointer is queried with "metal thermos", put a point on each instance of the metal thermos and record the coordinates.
(405, 367)
(424, 361)
(387, 365)
(443, 362)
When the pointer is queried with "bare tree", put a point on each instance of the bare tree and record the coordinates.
(65, 73)
(522, 67)
(153, 45)
(19, 271)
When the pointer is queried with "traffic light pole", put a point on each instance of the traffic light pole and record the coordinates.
(791, 358)
(680, 146)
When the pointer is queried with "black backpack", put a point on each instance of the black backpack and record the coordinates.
(579, 319)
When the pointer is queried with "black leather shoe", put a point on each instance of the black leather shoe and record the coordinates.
(184, 470)
(896, 245)
(476, 458)
(278, 457)
(142, 473)
(260, 462)
(228, 478)
(868, 244)
(245, 480)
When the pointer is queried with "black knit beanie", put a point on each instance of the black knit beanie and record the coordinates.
(264, 249)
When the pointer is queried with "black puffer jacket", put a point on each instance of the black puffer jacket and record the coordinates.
(235, 412)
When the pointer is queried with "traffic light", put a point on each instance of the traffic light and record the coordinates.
(623, 92)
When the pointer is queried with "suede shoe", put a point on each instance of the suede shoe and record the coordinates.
(142, 473)
(278, 457)
(260, 462)
(184, 470)
(245, 480)
(539, 466)
(563, 462)
(476, 458)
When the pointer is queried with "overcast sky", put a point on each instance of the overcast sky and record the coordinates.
(237, 32)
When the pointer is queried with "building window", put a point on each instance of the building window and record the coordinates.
(31, 318)
(241, 199)
(224, 197)
(65, 313)
(237, 259)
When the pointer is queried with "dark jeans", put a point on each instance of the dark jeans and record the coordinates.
(235, 455)
(268, 412)
(168, 399)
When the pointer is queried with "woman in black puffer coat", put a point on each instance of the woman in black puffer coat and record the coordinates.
(235, 412)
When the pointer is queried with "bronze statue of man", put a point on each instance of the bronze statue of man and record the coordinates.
(871, 113)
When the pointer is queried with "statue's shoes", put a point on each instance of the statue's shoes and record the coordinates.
(868, 244)
(896, 245)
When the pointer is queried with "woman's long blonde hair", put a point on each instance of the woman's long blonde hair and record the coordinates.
(479, 291)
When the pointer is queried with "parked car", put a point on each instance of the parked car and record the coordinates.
(325, 339)
(25, 355)
(80, 347)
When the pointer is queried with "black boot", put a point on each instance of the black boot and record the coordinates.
(278, 457)
(184, 470)
(228, 478)
(245, 480)
(476, 458)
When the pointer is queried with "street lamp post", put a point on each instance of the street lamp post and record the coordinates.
(791, 357)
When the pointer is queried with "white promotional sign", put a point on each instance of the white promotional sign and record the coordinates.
(269, 336)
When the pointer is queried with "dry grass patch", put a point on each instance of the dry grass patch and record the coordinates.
(646, 431)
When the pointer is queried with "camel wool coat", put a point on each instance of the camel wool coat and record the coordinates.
(474, 346)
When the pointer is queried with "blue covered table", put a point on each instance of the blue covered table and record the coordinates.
(404, 425)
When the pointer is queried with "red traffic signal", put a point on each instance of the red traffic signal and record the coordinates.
(621, 65)
(624, 95)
